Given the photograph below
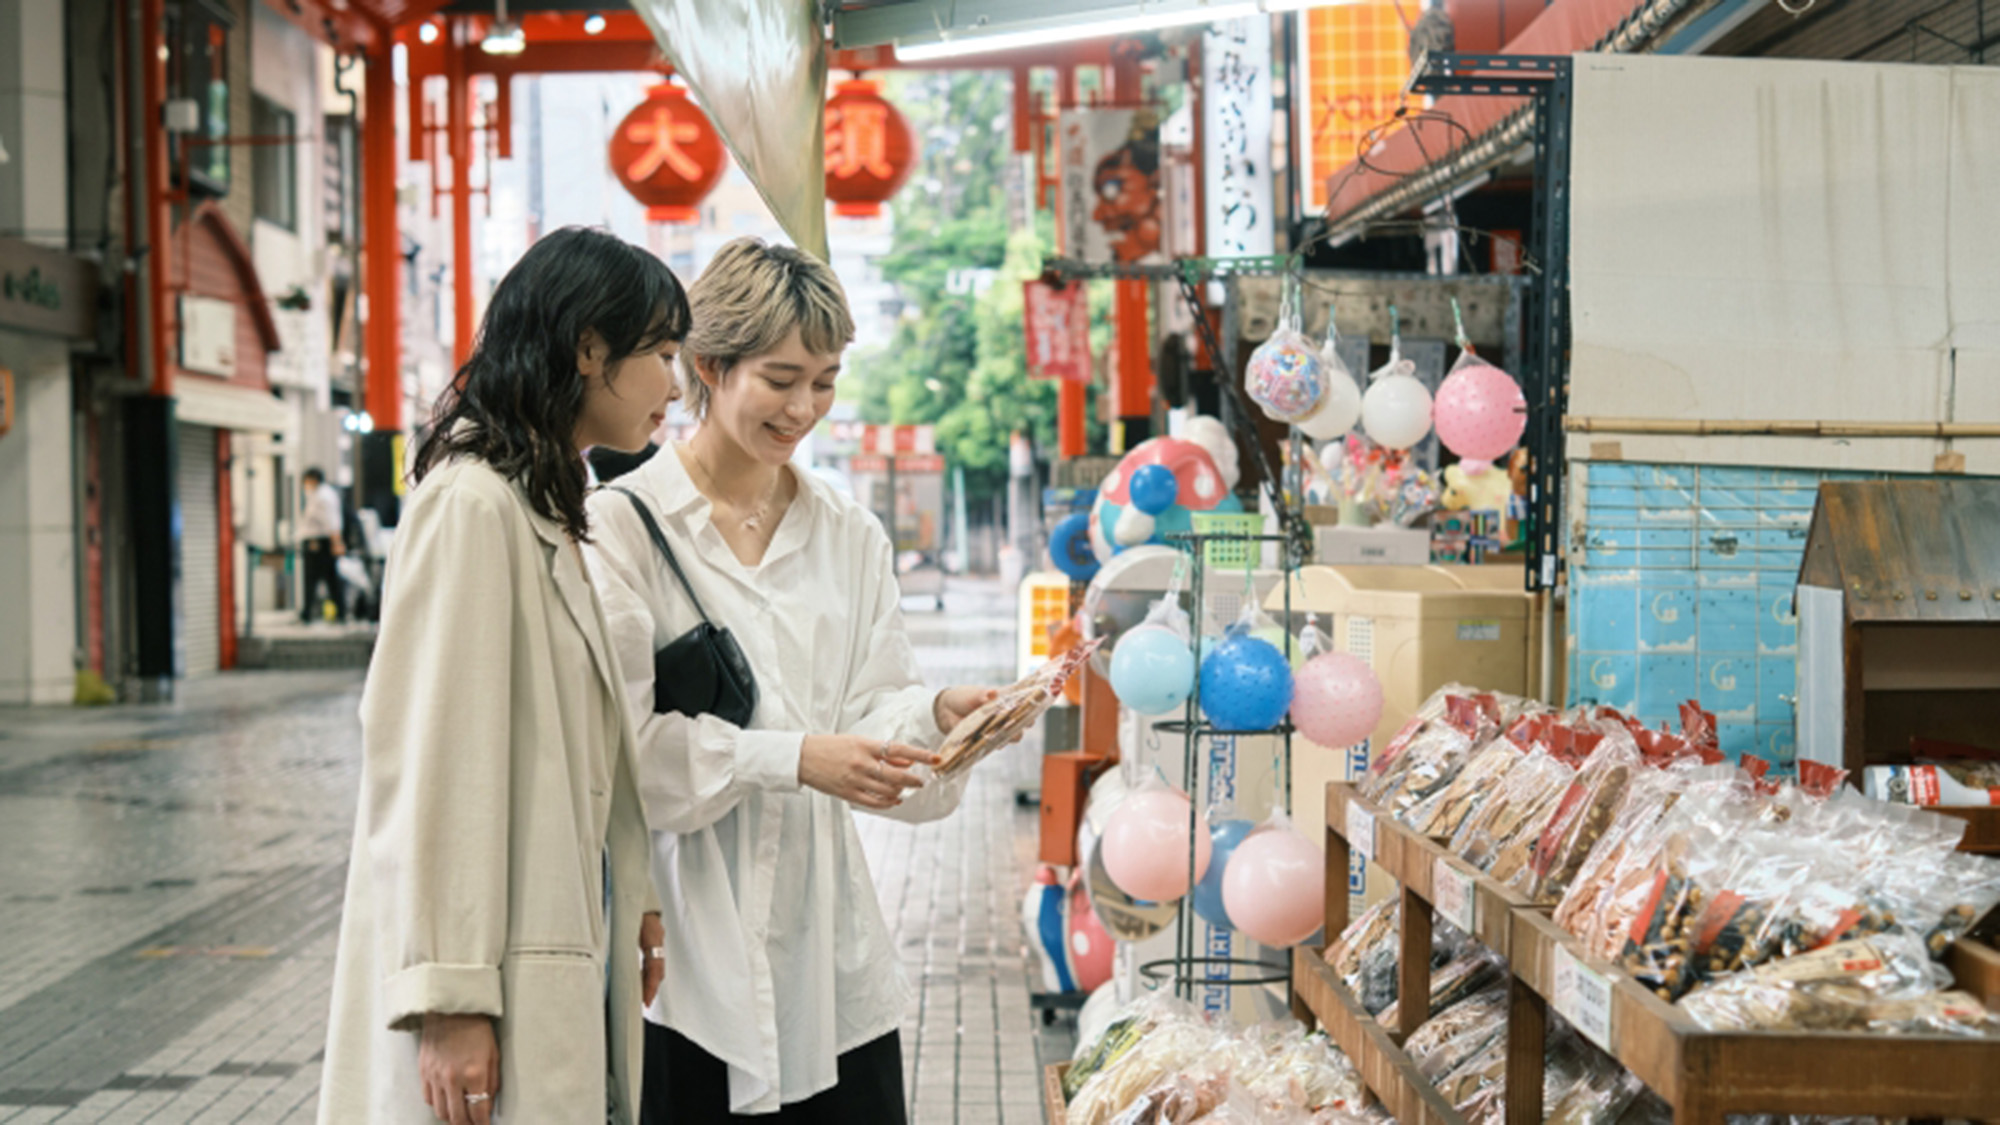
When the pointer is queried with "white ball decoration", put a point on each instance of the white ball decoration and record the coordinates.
(1396, 411)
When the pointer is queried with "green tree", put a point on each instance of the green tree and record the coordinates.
(959, 358)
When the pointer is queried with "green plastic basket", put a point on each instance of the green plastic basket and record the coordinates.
(1239, 554)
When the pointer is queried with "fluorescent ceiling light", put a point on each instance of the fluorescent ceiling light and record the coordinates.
(504, 37)
(982, 42)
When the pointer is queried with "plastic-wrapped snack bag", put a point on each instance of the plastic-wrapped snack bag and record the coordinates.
(1447, 1040)
(1444, 811)
(1172, 1046)
(1474, 970)
(1582, 818)
(1523, 801)
(1377, 924)
(1829, 989)
(1000, 721)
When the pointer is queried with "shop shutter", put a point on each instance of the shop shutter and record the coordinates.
(200, 592)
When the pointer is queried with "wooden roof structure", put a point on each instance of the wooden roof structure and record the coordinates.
(1924, 550)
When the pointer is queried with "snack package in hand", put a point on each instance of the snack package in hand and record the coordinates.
(1000, 721)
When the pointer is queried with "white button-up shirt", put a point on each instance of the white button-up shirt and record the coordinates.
(778, 959)
(320, 517)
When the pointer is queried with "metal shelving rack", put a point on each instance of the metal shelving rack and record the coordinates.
(1186, 968)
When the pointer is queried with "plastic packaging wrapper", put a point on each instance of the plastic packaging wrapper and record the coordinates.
(1119, 1037)
(1174, 1044)
(1000, 721)
(1885, 983)
(1474, 970)
(1581, 819)
(1510, 819)
(1445, 1041)
(1445, 811)
(1598, 1096)
(1376, 925)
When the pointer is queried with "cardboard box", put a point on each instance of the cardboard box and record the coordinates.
(1379, 546)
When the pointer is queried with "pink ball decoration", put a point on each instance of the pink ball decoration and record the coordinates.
(1275, 886)
(1336, 700)
(1145, 846)
(1090, 947)
(1480, 413)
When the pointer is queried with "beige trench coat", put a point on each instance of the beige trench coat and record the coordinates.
(497, 773)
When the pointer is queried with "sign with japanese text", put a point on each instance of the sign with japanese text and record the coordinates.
(1108, 188)
(1355, 59)
(902, 439)
(1058, 327)
(1238, 191)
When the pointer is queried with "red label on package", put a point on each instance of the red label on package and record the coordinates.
(1716, 917)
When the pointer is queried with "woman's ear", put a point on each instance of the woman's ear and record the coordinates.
(707, 368)
(592, 353)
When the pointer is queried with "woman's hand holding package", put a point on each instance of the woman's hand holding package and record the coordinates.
(459, 1062)
(861, 771)
(953, 704)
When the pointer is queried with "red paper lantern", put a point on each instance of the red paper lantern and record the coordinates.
(667, 155)
(868, 149)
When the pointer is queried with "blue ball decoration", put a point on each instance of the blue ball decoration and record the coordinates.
(1223, 837)
(1245, 684)
(1154, 490)
(1152, 670)
(1069, 547)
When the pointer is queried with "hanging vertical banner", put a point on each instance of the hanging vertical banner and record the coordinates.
(1236, 131)
(1058, 325)
(1355, 59)
(1108, 194)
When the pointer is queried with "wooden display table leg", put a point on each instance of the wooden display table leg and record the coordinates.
(1527, 1027)
(1338, 860)
(1413, 970)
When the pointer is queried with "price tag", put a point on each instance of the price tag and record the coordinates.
(1583, 996)
(1453, 895)
(1361, 830)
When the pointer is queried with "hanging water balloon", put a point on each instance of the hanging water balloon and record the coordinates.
(1396, 409)
(1481, 413)
(1145, 845)
(1337, 700)
(1245, 683)
(1275, 886)
(1223, 836)
(1153, 668)
(1340, 400)
(1283, 375)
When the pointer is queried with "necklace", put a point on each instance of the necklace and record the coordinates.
(754, 522)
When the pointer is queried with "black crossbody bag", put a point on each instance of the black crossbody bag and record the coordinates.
(702, 671)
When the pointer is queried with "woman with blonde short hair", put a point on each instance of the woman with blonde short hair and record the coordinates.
(784, 994)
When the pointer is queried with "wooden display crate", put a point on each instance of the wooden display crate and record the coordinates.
(1706, 1075)
(1386, 1069)
(1053, 1105)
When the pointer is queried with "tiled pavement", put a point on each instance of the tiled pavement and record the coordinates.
(170, 883)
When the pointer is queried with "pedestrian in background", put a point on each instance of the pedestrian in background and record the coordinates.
(320, 546)
(486, 973)
(786, 993)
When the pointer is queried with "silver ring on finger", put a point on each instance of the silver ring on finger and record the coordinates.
(882, 752)
(475, 1099)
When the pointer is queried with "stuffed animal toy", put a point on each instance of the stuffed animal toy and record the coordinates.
(1476, 492)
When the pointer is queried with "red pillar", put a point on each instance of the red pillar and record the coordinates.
(225, 564)
(1134, 377)
(382, 244)
(159, 223)
(1072, 398)
(458, 137)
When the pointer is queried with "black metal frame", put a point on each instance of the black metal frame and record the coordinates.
(1548, 80)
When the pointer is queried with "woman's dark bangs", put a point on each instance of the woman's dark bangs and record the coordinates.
(669, 319)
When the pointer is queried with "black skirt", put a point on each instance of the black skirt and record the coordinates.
(686, 1085)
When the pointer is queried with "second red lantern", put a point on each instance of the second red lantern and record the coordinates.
(667, 155)
(868, 149)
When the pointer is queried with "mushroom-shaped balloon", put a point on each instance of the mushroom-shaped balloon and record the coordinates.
(1199, 482)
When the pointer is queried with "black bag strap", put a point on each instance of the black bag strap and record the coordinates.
(660, 541)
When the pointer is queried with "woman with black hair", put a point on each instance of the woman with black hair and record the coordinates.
(486, 972)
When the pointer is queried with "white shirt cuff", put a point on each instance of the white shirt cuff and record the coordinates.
(769, 759)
